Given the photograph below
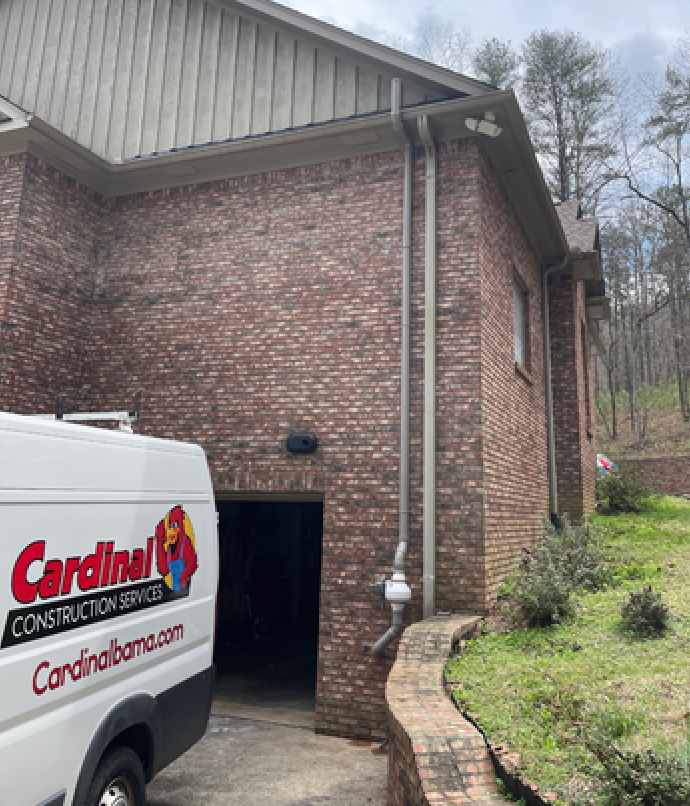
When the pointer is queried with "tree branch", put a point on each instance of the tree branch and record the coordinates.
(654, 201)
(655, 311)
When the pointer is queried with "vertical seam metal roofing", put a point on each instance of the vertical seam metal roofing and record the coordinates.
(126, 78)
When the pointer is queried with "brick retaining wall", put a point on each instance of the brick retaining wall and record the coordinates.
(435, 756)
(667, 474)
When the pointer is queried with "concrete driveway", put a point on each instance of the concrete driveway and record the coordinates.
(251, 762)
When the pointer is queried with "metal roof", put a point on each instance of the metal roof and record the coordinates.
(125, 78)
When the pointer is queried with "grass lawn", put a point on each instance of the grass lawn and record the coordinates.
(533, 688)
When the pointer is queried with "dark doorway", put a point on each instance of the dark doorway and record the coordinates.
(268, 604)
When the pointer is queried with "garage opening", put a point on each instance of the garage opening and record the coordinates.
(268, 609)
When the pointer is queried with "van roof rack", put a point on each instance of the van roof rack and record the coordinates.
(123, 418)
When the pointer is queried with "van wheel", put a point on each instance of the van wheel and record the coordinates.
(119, 780)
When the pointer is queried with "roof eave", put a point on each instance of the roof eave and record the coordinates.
(511, 154)
(513, 157)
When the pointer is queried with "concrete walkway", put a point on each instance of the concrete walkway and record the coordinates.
(247, 762)
(282, 700)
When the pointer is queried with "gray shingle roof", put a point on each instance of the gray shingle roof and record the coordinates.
(581, 233)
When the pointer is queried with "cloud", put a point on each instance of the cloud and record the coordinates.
(642, 33)
(644, 53)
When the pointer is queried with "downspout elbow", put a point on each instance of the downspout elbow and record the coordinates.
(393, 631)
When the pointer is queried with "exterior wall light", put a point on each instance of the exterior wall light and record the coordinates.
(486, 126)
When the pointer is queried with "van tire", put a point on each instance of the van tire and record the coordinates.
(119, 780)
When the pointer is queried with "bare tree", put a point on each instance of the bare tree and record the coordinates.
(655, 170)
(665, 147)
(442, 42)
(436, 40)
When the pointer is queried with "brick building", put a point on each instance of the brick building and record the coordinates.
(205, 200)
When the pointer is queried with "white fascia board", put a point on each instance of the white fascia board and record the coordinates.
(360, 46)
(15, 113)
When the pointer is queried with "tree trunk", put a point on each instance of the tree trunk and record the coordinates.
(675, 325)
(612, 392)
(629, 370)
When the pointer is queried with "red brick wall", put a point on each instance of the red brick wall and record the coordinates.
(575, 443)
(669, 475)
(459, 496)
(587, 419)
(47, 307)
(248, 308)
(515, 478)
(11, 189)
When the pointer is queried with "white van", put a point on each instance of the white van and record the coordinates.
(108, 579)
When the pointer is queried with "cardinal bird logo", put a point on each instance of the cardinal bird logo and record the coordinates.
(175, 549)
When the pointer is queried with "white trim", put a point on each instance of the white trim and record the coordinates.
(519, 322)
(12, 111)
(18, 118)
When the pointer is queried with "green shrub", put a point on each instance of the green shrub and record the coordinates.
(564, 560)
(542, 592)
(649, 778)
(645, 613)
(625, 492)
(577, 549)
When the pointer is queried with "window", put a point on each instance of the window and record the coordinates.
(520, 322)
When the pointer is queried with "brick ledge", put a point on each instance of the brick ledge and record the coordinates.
(435, 756)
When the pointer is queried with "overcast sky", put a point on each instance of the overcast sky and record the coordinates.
(641, 32)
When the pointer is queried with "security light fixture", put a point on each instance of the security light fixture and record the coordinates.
(486, 126)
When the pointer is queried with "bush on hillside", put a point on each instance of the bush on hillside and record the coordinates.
(563, 560)
(625, 492)
(645, 613)
(647, 778)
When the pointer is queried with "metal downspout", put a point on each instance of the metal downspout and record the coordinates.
(396, 590)
(429, 484)
(550, 430)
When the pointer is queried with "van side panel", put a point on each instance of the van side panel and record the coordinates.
(184, 710)
(108, 578)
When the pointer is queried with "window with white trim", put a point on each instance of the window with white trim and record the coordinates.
(520, 322)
